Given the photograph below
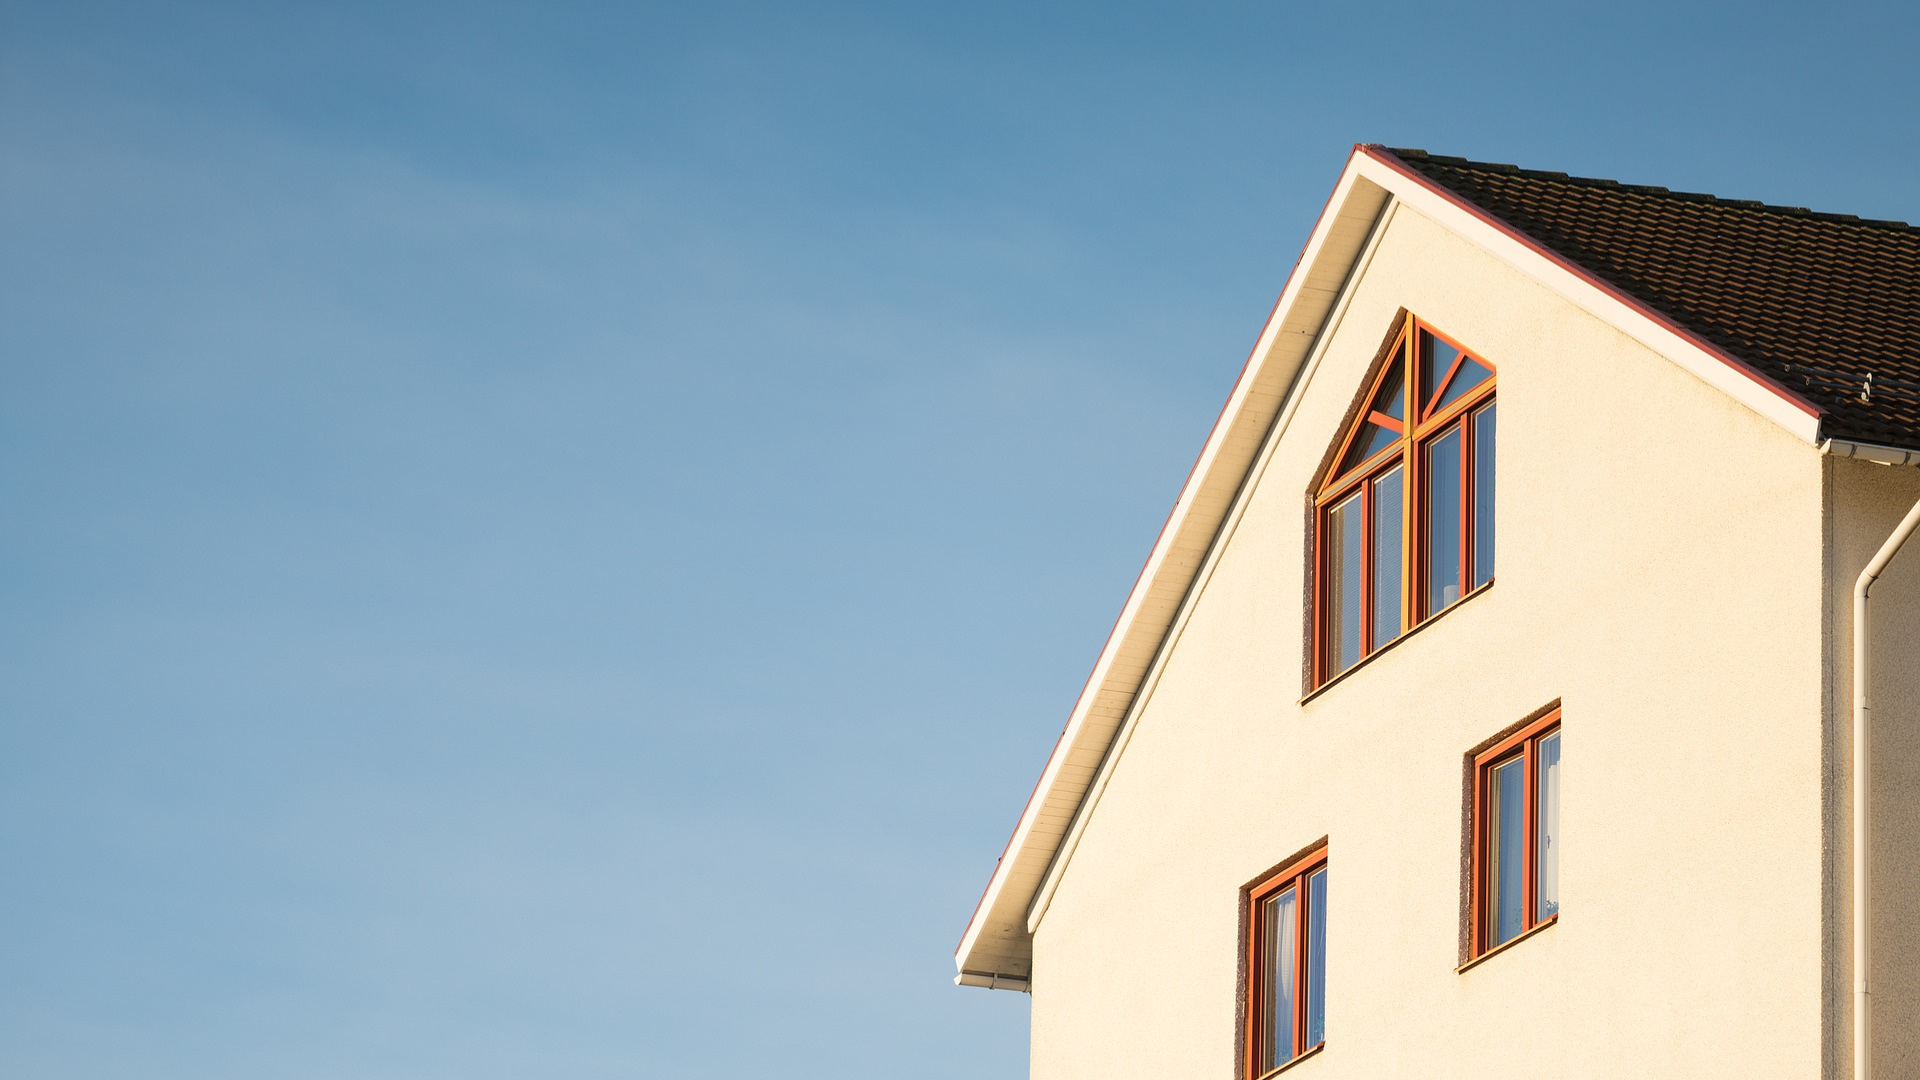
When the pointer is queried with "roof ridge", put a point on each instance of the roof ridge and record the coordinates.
(1649, 189)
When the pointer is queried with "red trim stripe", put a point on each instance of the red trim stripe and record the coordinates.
(1386, 157)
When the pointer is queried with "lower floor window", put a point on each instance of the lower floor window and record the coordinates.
(1517, 834)
(1287, 964)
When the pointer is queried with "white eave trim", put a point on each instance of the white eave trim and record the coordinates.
(1091, 799)
(1884, 455)
(1291, 329)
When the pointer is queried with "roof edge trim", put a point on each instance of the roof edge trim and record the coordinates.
(1657, 330)
(1276, 430)
(1345, 222)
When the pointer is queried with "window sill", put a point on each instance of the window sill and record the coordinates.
(1552, 920)
(1304, 1055)
(1389, 646)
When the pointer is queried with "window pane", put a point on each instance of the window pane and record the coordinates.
(1548, 855)
(1506, 848)
(1436, 359)
(1390, 400)
(1279, 978)
(1372, 439)
(1389, 499)
(1472, 373)
(1317, 959)
(1343, 586)
(1443, 521)
(1483, 428)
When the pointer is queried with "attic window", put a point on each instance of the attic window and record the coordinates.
(1403, 522)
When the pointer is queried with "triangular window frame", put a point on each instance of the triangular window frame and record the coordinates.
(1395, 470)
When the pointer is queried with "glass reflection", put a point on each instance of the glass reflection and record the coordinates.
(1483, 431)
(1390, 400)
(1436, 359)
(1280, 931)
(1472, 373)
(1344, 566)
(1388, 511)
(1372, 439)
(1547, 855)
(1443, 521)
(1317, 959)
(1506, 850)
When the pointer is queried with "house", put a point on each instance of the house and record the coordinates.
(1523, 469)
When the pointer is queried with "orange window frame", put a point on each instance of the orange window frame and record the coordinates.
(1294, 874)
(1425, 423)
(1522, 745)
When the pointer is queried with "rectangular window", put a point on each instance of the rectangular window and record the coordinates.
(1483, 430)
(1286, 964)
(1516, 843)
(1443, 521)
(1385, 586)
(1345, 563)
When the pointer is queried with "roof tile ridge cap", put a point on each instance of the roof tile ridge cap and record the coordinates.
(1758, 205)
(1508, 169)
(1505, 169)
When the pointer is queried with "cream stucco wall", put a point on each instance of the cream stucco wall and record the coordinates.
(1661, 571)
(1865, 502)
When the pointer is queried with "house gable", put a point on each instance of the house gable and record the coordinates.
(996, 947)
(1224, 772)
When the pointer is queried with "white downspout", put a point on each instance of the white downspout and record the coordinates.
(1862, 777)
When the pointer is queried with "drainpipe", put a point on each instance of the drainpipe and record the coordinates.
(1862, 757)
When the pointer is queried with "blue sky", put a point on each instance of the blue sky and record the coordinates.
(554, 540)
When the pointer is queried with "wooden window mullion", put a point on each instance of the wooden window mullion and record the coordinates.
(1322, 670)
(1255, 1033)
(1466, 506)
(1467, 494)
(1530, 790)
(1410, 485)
(1366, 568)
(1300, 964)
(1477, 883)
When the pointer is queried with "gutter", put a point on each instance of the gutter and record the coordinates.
(1862, 756)
(994, 980)
(1883, 455)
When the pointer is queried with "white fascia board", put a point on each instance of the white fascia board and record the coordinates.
(1874, 452)
(1345, 224)
(1615, 308)
(1037, 910)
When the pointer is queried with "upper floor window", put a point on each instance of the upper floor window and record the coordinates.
(1516, 834)
(1403, 521)
(1286, 940)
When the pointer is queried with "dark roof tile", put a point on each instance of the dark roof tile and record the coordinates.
(1826, 305)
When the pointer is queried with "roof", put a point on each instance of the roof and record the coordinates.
(1818, 303)
(1785, 311)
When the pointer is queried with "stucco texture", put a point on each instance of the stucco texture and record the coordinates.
(1865, 502)
(1661, 571)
